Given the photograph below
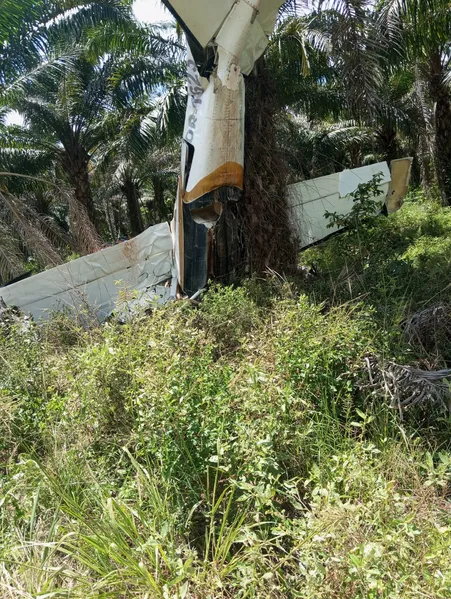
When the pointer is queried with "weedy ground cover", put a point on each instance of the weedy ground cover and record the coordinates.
(235, 448)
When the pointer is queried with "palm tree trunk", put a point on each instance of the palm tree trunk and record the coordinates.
(425, 134)
(442, 122)
(388, 140)
(425, 161)
(117, 218)
(131, 192)
(443, 146)
(77, 167)
(264, 215)
(158, 196)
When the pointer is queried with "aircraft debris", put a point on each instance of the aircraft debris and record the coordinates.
(225, 39)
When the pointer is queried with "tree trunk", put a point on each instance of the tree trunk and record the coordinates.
(118, 218)
(388, 140)
(425, 133)
(131, 192)
(76, 165)
(425, 161)
(355, 153)
(264, 217)
(158, 197)
(442, 123)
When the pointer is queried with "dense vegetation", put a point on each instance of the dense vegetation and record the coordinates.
(237, 448)
(285, 438)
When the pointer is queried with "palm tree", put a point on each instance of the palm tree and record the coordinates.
(38, 41)
(63, 67)
(63, 116)
(293, 76)
(357, 77)
(72, 113)
(143, 132)
(27, 229)
(421, 31)
(37, 34)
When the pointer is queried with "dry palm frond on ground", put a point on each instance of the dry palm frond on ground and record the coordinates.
(428, 327)
(406, 386)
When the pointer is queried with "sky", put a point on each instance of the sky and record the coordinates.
(148, 11)
(151, 11)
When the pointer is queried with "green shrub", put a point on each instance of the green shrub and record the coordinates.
(398, 264)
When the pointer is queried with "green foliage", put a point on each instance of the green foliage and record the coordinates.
(224, 449)
(397, 264)
(366, 206)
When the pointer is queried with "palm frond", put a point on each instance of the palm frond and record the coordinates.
(21, 84)
(293, 8)
(129, 38)
(170, 108)
(11, 258)
(295, 39)
(30, 234)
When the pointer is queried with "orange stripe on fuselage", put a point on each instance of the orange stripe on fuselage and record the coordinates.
(230, 174)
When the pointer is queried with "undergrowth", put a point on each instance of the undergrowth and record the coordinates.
(402, 261)
(230, 449)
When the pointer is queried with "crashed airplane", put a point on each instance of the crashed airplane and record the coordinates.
(225, 39)
(145, 267)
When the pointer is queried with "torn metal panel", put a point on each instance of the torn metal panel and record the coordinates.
(93, 282)
(213, 149)
(400, 179)
(350, 179)
(212, 176)
(310, 200)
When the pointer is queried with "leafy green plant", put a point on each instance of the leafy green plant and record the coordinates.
(366, 206)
